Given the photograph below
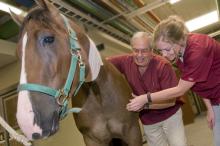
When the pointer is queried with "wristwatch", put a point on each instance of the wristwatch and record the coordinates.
(149, 101)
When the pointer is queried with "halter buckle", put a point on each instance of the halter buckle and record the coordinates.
(61, 97)
(81, 63)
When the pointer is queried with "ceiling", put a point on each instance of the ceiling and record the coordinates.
(117, 18)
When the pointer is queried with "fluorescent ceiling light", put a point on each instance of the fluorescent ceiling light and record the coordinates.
(173, 1)
(5, 7)
(202, 21)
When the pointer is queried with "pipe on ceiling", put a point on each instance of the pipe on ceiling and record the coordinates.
(140, 4)
(103, 14)
(147, 8)
(119, 11)
(147, 27)
(148, 22)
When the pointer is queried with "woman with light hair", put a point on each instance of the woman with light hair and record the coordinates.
(198, 58)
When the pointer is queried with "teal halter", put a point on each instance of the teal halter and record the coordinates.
(61, 95)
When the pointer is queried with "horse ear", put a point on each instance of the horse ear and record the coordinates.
(46, 5)
(17, 18)
(41, 3)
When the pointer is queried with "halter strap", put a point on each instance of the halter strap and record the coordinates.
(64, 92)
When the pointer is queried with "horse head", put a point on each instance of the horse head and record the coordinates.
(48, 46)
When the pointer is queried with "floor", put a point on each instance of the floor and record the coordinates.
(198, 133)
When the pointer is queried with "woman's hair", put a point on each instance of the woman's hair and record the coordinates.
(171, 30)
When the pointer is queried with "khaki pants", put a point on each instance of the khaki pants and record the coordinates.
(169, 132)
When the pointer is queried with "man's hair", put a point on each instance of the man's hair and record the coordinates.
(171, 29)
(143, 35)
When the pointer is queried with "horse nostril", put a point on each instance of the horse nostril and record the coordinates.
(36, 136)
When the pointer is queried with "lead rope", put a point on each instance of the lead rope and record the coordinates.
(18, 137)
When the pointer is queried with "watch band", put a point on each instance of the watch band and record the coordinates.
(149, 98)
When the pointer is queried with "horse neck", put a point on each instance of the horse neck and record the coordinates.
(111, 85)
(89, 53)
(90, 91)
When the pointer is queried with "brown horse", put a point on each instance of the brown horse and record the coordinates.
(46, 66)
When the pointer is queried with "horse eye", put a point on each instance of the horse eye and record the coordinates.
(48, 40)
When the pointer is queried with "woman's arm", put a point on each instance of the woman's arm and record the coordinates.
(161, 106)
(170, 93)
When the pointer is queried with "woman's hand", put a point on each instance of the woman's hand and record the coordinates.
(137, 103)
(210, 113)
(210, 118)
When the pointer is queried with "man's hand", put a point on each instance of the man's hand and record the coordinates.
(137, 103)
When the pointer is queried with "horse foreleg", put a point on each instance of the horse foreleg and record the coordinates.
(94, 142)
(133, 137)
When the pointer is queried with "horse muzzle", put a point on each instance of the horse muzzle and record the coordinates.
(49, 128)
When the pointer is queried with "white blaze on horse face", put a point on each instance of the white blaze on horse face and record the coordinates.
(25, 115)
(95, 60)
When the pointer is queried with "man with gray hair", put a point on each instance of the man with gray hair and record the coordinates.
(147, 72)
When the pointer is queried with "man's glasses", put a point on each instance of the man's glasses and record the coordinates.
(142, 51)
